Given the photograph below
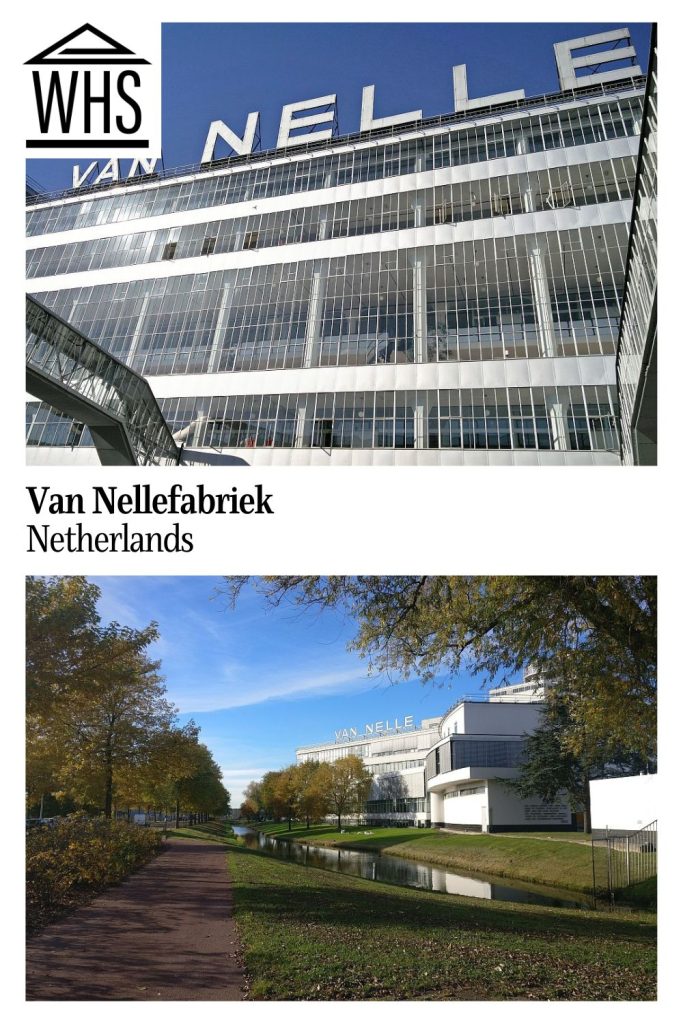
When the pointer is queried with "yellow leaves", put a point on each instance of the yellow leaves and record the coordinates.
(80, 854)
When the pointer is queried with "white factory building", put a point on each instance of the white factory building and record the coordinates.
(437, 291)
(450, 770)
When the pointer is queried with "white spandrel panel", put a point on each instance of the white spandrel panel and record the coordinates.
(392, 377)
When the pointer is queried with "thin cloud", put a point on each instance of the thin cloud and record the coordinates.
(238, 689)
(236, 780)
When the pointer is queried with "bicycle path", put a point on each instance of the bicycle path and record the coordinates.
(166, 933)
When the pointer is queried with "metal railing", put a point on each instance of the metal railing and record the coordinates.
(82, 380)
(486, 697)
(302, 148)
(622, 858)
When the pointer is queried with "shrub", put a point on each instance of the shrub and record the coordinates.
(77, 858)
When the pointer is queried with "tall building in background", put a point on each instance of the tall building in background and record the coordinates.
(394, 752)
(452, 770)
(439, 291)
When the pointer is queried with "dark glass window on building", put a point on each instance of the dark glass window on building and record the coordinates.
(486, 753)
(322, 433)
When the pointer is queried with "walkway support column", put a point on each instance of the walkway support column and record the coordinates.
(314, 319)
(300, 429)
(132, 351)
(420, 305)
(219, 331)
(421, 419)
(543, 313)
(559, 426)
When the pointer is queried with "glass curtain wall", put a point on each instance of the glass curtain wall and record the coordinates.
(556, 188)
(523, 296)
(597, 121)
(576, 418)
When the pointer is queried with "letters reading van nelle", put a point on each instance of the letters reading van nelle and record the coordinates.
(140, 499)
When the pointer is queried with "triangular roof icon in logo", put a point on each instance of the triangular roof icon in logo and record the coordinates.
(89, 46)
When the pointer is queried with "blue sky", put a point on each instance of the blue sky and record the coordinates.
(224, 71)
(260, 681)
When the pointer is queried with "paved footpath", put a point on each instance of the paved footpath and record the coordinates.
(167, 932)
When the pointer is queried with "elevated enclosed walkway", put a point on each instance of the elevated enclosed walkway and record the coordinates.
(81, 380)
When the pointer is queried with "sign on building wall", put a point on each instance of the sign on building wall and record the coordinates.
(545, 812)
(383, 728)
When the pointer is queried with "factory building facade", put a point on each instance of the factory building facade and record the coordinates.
(452, 770)
(439, 291)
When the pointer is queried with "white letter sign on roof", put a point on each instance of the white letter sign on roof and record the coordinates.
(241, 146)
(288, 123)
(368, 122)
(463, 102)
(567, 65)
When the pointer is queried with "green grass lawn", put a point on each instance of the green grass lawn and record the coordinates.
(543, 859)
(218, 831)
(312, 934)
(642, 894)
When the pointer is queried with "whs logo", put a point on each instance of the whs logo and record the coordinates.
(92, 94)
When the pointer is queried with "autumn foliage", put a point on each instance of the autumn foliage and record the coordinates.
(77, 858)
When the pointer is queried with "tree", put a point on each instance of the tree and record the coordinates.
(286, 794)
(347, 786)
(99, 727)
(312, 781)
(312, 790)
(270, 798)
(280, 793)
(61, 635)
(393, 788)
(174, 761)
(105, 731)
(594, 636)
(249, 809)
(181, 773)
(551, 767)
(93, 694)
(42, 766)
(204, 793)
(253, 796)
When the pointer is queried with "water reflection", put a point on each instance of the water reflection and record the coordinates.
(382, 867)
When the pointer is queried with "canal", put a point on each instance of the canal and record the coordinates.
(383, 867)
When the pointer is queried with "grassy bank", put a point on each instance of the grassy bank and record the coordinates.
(641, 894)
(550, 861)
(311, 934)
(216, 831)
